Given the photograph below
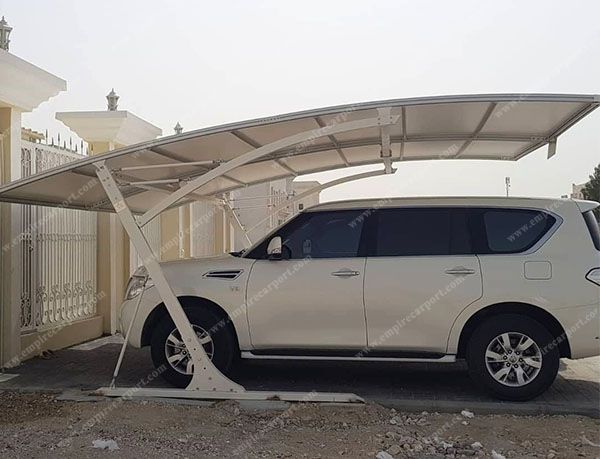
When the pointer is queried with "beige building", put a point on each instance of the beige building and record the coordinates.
(576, 192)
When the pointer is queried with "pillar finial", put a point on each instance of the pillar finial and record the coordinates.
(5, 31)
(178, 129)
(112, 100)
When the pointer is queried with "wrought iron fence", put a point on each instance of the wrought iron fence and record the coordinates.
(57, 249)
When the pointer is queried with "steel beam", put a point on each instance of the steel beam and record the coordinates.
(152, 182)
(166, 165)
(260, 152)
(334, 141)
(386, 145)
(404, 135)
(478, 129)
(286, 168)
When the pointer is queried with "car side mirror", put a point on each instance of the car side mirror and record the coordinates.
(274, 249)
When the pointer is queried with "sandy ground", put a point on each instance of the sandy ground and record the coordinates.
(38, 425)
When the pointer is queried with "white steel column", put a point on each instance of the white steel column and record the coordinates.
(206, 376)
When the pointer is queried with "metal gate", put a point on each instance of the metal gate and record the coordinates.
(57, 249)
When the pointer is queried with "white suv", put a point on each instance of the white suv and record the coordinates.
(509, 284)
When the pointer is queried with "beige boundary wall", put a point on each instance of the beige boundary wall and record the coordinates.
(32, 344)
(23, 87)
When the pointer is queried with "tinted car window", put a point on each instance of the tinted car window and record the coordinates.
(421, 231)
(592, 224)
(513, 230)
(335, 234)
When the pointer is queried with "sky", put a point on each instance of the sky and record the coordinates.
(207, 63)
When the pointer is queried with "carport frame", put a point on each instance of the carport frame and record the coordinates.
(207, 381)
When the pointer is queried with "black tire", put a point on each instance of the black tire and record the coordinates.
(506, 323)
(223, 342)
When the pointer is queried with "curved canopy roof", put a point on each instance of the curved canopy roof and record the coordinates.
(218, 159)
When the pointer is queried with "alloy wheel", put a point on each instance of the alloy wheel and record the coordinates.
(177, 354)
(513, 359)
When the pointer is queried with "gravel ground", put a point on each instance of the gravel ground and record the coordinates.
(38, 425)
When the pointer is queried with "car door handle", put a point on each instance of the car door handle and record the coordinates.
(345, 273)
(460, 271)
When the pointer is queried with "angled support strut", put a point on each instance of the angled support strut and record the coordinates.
(205, 375)
(207, 381)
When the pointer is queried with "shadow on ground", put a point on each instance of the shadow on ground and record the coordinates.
(577, 386)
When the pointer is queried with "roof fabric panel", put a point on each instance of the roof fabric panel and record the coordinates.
(495, 127)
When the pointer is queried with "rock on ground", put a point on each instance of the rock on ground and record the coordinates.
(39, 426)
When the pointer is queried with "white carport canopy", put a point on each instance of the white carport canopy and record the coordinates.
(231, 156)
(148, 178)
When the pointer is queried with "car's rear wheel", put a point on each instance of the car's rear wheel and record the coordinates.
(171, 355)
(513, 357)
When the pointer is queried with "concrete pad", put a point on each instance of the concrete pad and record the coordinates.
(7, 377)
(79, 396)
(95, 344)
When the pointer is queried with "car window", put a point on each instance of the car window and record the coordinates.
(332, 234)
(413, 231)
(324, 235)
(592, 225)
(514, 230)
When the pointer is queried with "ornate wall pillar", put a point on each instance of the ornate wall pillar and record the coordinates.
(105, 131)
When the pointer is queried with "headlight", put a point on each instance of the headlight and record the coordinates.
(136, 286)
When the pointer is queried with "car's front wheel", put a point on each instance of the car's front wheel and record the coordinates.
(514, 357)
(171, 355)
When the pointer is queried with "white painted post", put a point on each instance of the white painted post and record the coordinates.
(206, 377)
